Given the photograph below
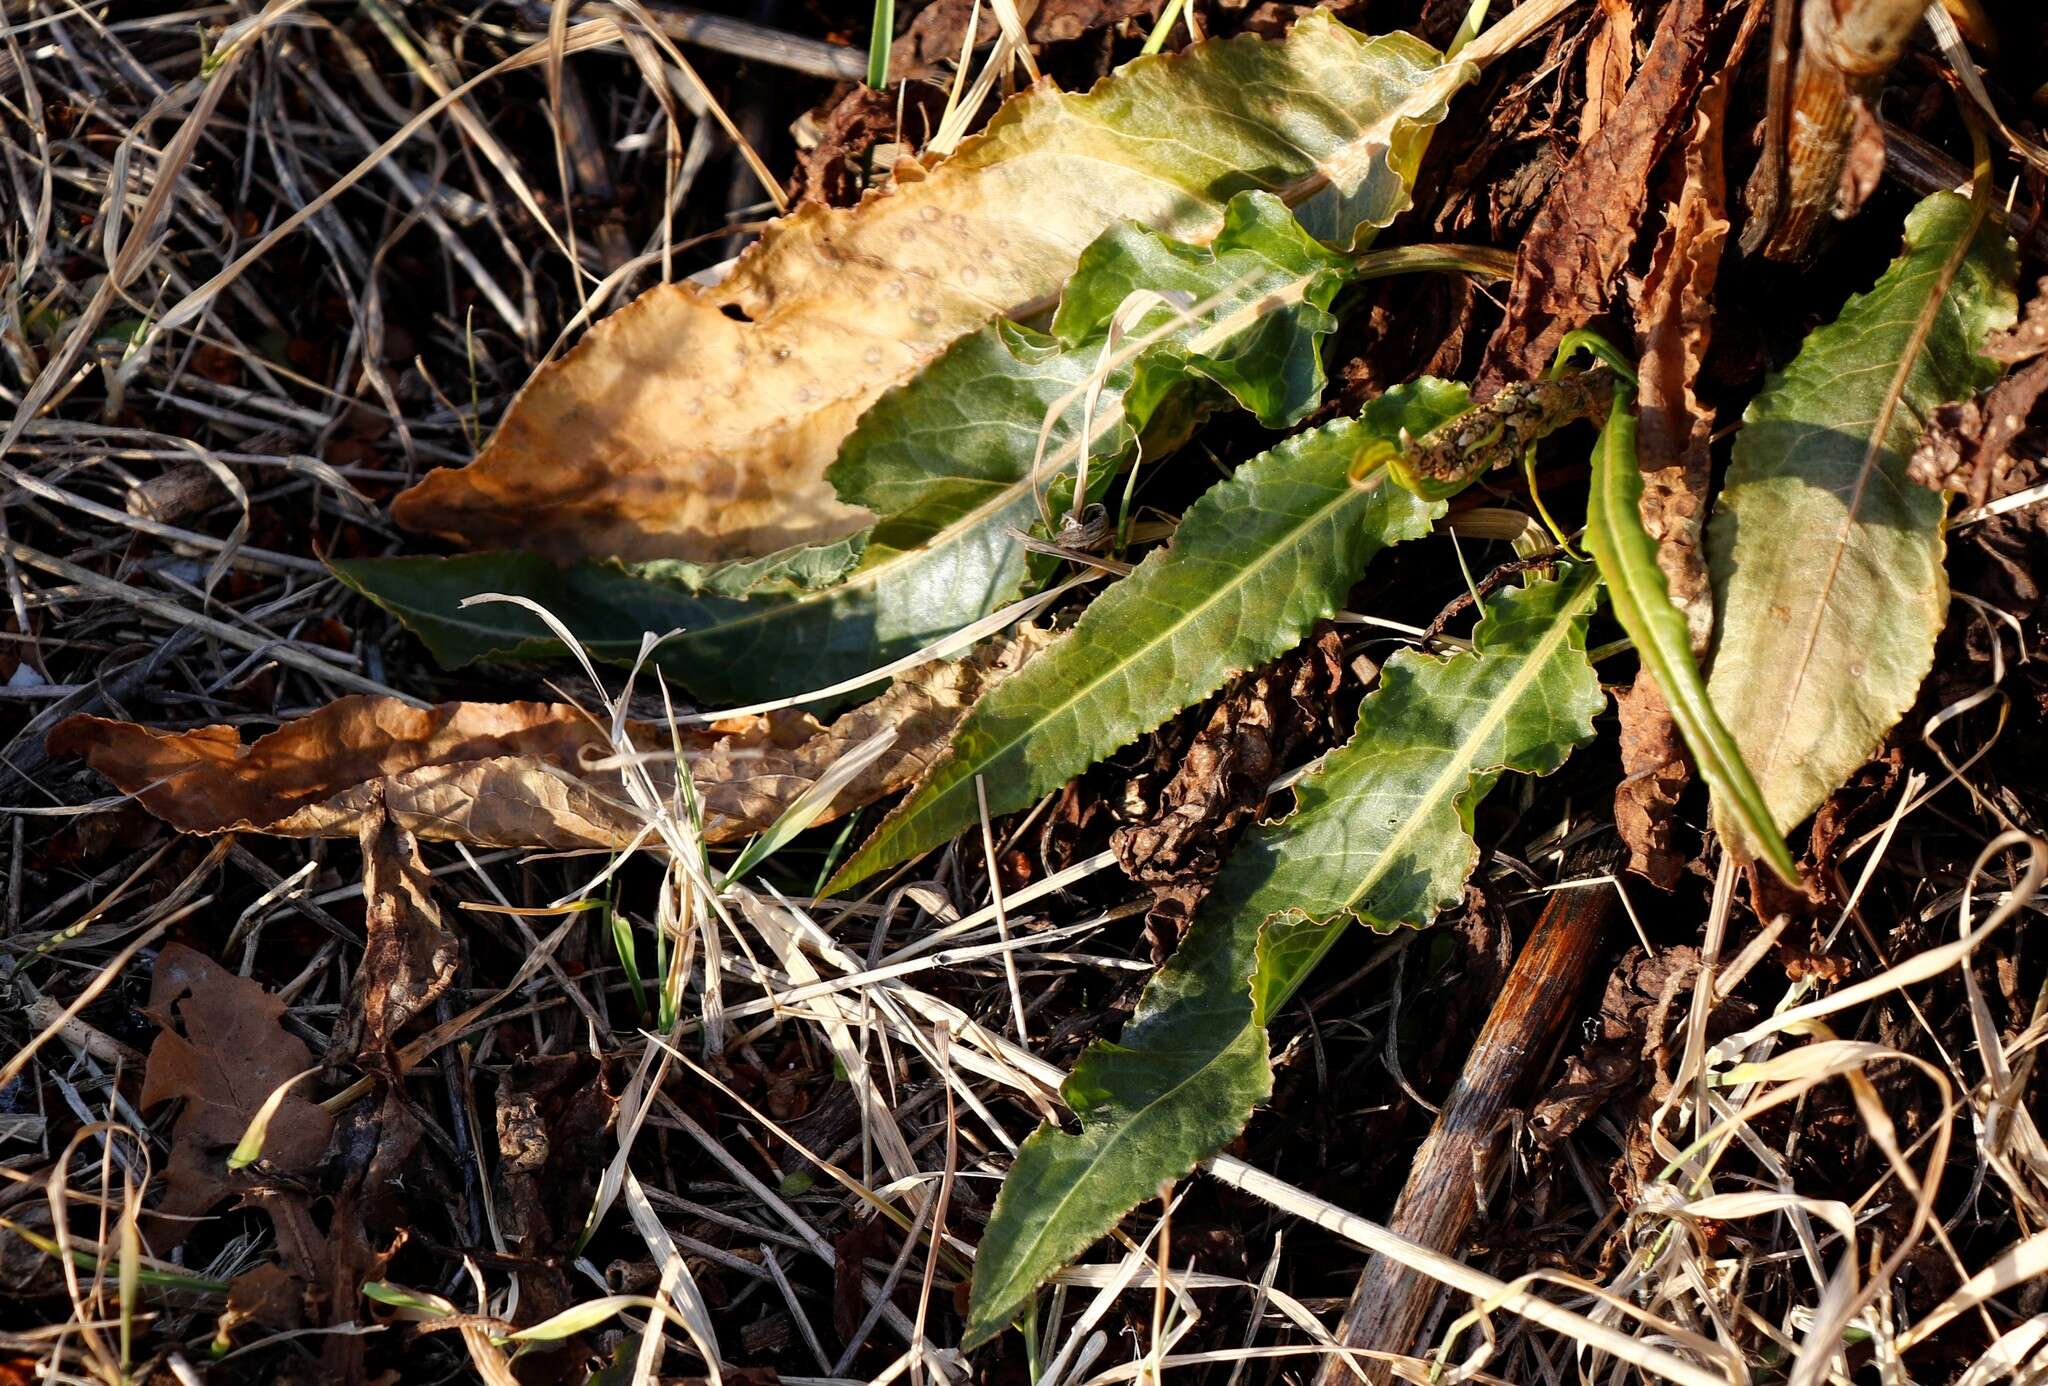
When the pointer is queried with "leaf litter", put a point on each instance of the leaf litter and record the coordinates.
(502, 1143)
(524, 774)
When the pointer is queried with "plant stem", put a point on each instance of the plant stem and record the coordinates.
(1390, 1302)
(880, 36)
(1846, 48)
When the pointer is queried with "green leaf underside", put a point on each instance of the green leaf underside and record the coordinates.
(945, 459)
(1382, 833)
(1256, 562)
(1641, 598)
(1826, 561)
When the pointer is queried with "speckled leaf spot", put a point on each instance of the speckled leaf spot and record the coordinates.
(1381, 833)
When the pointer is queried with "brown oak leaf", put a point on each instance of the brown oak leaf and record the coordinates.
(223, 1050)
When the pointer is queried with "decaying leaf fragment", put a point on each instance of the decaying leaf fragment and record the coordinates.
(1655, 772)
(520, 774)
(410, 956)
(1965, 445)
(698, 422)
(1677, 325)
(553, 1114)
(223, 1051)
(1220, 777)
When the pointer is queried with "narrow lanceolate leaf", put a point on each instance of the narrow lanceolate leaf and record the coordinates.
(1826, 560)
(1383, 834)
(1257, 561)
(958, 461)
(1641, 597)
(698, 422)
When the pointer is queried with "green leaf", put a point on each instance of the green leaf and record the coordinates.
(1641, 598)
(1826, 561)
(949, 460)
(1256, 562)
(1382, 833)
(805, 568)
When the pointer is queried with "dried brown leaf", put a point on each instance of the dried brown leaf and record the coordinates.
(1965, 448)
(1655, 773)
(1965, 444)
(520, 774)
(2029, 338)
(1676, 316)
(268, 1296)
(1580, 240)
(477, 772)
(931, 46)
(1221, 778)
(1677, 322)
(1610, 58)
(833, 170)
(222, 1051)
(552, 1116)
(698, 422)
(409, 956)
(383, 1166)
(748, 778)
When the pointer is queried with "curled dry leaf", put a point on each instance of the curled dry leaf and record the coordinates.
(698, 422)
(1610, 57)
(931, 46)
(520, 774)
(223, 1050)
(1966, 442)
(2029, 337)
(1655, 774)
(552, 1117)
(386, 1178)
(1677, 318)
(1220, 777)
(1181, 827)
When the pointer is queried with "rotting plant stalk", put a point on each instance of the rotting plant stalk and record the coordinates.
(1846, 48)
